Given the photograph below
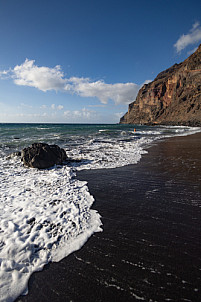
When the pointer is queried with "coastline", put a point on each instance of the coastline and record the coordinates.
(149, 249)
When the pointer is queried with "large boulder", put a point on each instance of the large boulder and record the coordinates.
(41, 156)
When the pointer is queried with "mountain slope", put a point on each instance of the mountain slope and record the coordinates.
(173, 98)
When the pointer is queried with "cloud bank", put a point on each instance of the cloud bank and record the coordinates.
(120, 93)
(45, 78)
(194, 36)
(84, 113)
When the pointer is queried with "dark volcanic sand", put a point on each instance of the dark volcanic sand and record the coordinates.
(150, 249)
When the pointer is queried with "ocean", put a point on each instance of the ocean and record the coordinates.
(46, 214)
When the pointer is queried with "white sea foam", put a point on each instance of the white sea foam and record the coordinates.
(44, 216)
(103, 130)
(181, 130)
(108, 154)
(123, 150)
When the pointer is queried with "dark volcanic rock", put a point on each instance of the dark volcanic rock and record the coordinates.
(43, 156)
(173, 98)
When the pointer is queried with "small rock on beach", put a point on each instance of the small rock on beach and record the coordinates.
(42, 156)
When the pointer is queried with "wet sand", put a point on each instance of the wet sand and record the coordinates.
(150, 249)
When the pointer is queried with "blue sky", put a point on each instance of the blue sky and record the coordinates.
(84, 61)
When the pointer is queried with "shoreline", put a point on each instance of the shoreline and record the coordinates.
(149, 249)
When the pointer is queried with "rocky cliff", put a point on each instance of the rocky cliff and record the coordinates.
(173, 98)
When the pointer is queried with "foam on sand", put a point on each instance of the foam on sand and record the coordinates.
(44, 216)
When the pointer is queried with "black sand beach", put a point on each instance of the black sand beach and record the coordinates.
(150, 249)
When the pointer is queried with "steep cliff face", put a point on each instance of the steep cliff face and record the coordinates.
(173, 98)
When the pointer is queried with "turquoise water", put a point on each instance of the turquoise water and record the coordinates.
(14, 137)
(20, 135)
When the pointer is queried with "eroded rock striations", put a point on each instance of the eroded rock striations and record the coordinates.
(173, 98)
(41, 156)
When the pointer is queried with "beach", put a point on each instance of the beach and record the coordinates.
(150, 246)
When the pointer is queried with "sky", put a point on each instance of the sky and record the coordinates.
(75, 61)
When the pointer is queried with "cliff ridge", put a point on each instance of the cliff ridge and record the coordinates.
(173, 98)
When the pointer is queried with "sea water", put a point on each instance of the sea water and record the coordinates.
(46, 214)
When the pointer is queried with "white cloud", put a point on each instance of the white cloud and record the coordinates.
(97, 106)
(87, 113)
(45, 78)
(4, 73)
(194, 36)
(59, 107)
(83, 114)
(26, 105)
(196, 25)
(67, 113)
(118, 115)
(120, 93)
(146, 82)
